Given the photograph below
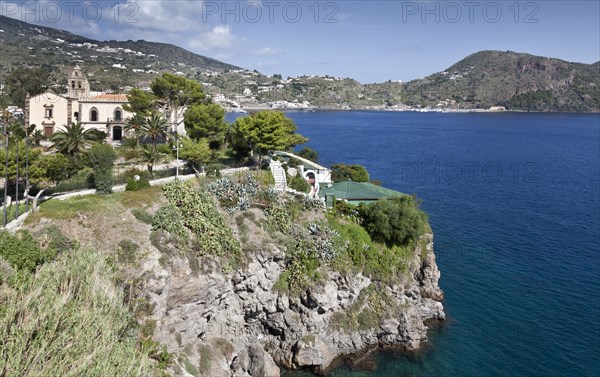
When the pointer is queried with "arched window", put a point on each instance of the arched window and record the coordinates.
(94, 115)
(73, 84)
(118, 115)
(76, 115)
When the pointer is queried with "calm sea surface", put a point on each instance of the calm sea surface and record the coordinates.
(514, 203)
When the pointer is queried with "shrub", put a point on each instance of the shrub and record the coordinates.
(396, 221)
(83, 179)
(343, 172)
(143, 215)
(126, 251)
(299, 184)
(131, 173)
(164, 149)
(200, 215)
(102, 158)
(235, 195)
(169, 218)
(214, 170)
(293, 163)
(136, 185)
(309, 154)
(58, 167)
(21, 250)
(130, 154)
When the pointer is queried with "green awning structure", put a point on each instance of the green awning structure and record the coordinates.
(357, 192)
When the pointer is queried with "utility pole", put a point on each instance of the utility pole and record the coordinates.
(26, 168)
(17, 180)
(177, 146)
(5, 168)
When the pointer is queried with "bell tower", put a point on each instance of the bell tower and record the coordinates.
(79, 87)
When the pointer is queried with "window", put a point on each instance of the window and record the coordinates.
(94, 115)
(48, 113)
(76, 116)
(73, 84)
(118, 115)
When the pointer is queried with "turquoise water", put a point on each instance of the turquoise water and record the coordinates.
(514, 203)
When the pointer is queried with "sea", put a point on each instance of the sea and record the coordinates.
(514, 203)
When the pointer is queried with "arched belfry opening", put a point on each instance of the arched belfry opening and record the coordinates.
(80, 87)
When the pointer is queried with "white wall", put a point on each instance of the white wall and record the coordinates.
(37, 111)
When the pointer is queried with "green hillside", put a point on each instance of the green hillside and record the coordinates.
(515, 80)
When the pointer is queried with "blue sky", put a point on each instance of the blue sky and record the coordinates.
(371, 41)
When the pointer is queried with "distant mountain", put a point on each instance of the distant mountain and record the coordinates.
(515, 80)
(22, 43)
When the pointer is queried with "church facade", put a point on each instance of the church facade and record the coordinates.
(50, 112)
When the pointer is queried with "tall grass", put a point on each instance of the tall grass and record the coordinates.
(11, 211)
(69, 320)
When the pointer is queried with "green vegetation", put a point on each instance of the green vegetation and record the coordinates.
(206, 121)
(201, 216)
(22, 81)
(299, 184)
(155, 128)
(169, 219)
(536, 100)
(343, 172)
(136, 180)
(136, 185)
(395, 221)
(266, 131)
(98, 204)
(22, 251)
(126, 251)
(57, 313)
(58, 167)
(16, 159)
(309, 154)
(235, 194)
(372, 305)
(515, 80)
(196, 152)
(102, 158)
(379, 248)
(73, 139)
(143, 216)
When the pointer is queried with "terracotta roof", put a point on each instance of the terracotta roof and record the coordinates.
(110, 97)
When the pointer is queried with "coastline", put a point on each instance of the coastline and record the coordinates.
(248, 109)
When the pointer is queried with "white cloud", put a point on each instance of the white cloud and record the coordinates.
(268, 51)
(219, 38)
(163, 15)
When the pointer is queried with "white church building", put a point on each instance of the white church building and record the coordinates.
(50, 112)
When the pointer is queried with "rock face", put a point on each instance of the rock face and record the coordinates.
(237, 324)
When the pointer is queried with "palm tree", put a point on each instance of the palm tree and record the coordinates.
(134, 126)
(37, 136)
(155, 128)
(73, 139)
(150, 156)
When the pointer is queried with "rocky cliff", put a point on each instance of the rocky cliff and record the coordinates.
(239, 324)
